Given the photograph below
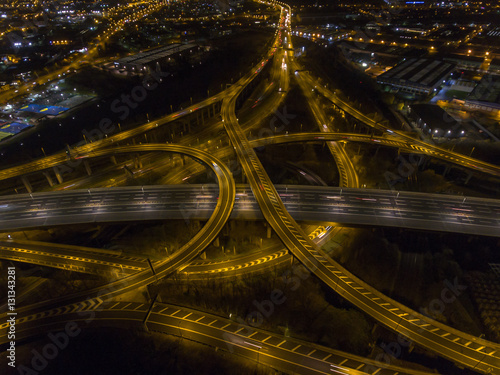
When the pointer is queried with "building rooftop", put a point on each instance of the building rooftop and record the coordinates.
(458, 57)
(487, 90)
(423, 72)
(417, 74)
(154, 54)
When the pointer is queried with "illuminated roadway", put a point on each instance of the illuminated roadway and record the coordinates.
(341, 137)
(93, 261)
(269, 348)
(348, 175)
(102, 142)
(422, 211)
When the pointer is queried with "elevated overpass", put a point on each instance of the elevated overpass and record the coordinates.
(349, 206)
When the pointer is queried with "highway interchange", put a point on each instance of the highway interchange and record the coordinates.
(277, 208)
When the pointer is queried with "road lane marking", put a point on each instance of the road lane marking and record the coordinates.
(328, 356)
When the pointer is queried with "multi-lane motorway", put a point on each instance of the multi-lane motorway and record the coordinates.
(433, 212)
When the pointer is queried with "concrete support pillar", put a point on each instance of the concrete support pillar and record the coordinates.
(203, 255)
(137, 161)
(469, 176)
(196, 224)
(446, 170)
(269, 231)
(87, 167)
(216, 242)
(27, 184)
(58, 175)
(128, 171)
(49, 179)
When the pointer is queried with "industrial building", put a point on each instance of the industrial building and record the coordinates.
(486, 95)
(417, 76)
(158, 57)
